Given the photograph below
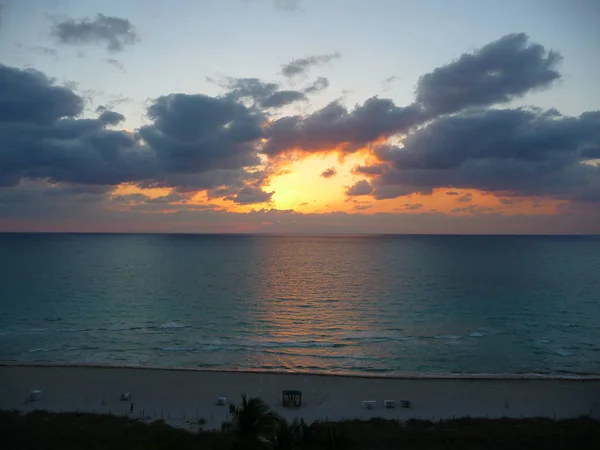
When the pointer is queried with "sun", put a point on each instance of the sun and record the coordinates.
(302, 188)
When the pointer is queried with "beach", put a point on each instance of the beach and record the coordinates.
(182, 397)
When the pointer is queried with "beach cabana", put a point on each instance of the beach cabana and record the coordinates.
(291, 398)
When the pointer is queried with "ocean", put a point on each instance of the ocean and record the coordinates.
(364, 305)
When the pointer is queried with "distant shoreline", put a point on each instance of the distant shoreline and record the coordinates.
(407, 376)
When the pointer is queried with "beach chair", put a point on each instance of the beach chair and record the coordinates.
(369, 404)
(389, 403)
(405, 403)
(125, 397)
(35, 395)
(221, 401)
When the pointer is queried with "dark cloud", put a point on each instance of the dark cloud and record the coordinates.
(109, 117)
(498, 72)
(391, 79)
(375, 169)
(362, 207)
(114, 32)
(29, 96)
(473, 209)
(361, 187)
(301, 66)
(335, 127)
(452, 193)
(465, 198)
(282, 98)
(263, 94)
(42, 50)
(250, 195)
(413, 206)
(501, 71)
(320, 84)
(287, 5)
(331, 172)
(192, 142)
(195, 133)
(519, 152)
(116, 63)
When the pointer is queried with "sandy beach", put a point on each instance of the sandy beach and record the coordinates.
(184, 396)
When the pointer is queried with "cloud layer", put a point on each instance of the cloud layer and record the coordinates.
(455, 134)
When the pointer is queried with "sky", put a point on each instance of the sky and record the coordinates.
(300, 116)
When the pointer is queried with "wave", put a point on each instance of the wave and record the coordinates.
(123, 328)
(447, 336)
(326, 356)
(53, 319)
(177, 349)
(301, 344)
(41, 349)
(172, 325)
(563, 352)
(476, 334)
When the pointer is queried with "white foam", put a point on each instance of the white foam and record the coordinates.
(173, 325)
(476, 334)
(448, 336)
(562, 352)
(178, 349)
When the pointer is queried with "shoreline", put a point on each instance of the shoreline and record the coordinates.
(407, 376)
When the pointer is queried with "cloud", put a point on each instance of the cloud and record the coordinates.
(375, 169)
(192, 141)
(450, 137)
(42, 50)
(465, 198)
(287, 5)
(116, 63)
(301, 66)
(331, 172)
(28, 96)
(516, 152)
(361, 187)
(263, 94)
(320, 84)
(114, 32)
(250, 195)
(41, 207)
(334, 127)
(473, 209)
(496, 73)
(413, 206)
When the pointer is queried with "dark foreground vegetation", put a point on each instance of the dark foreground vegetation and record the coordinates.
(254, 427)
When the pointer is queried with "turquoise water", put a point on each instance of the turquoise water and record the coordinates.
(385, 305)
